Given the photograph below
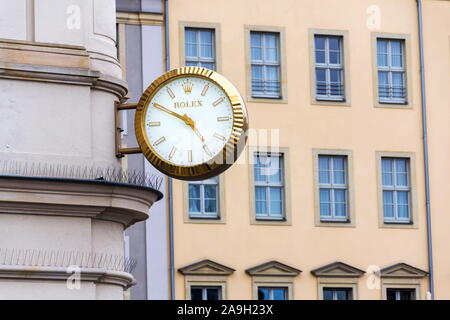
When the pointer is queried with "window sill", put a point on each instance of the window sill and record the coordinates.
(204, 220)
(393, 105)
(335, 103)
(270, 221)
(267, 99)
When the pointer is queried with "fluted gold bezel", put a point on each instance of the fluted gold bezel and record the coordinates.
(232, 148)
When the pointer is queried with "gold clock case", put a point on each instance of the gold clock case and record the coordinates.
(230, 152)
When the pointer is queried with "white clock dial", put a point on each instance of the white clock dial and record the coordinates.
(188, 121)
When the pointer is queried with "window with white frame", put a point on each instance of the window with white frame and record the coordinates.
(272, 293)
(333, 188)
(391, 71)
(329, 68)
(400, 294)
(269, 186)
(337, 294)
(204, 198)
(206, 293)
(200, 48)
(265, 61)
(396, 190)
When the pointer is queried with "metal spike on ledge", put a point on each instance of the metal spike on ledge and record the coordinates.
(89, 173)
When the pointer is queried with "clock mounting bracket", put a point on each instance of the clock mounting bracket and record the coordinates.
(121, 152)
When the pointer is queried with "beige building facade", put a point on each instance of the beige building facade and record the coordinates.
(329, 199)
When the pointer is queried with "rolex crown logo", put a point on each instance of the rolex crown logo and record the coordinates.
(187, 86)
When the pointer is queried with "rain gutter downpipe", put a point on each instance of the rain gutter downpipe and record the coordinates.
(169, 179)
(425, 151)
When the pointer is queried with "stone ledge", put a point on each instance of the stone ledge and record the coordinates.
(117, 202)
(95, 275)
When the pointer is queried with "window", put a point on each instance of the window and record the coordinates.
(265, 64)
(396, 190)
(333, 188)
(203, 198)
(337, 294)
(400, 294)
(329, 68)
(391, 71)
(269, 186)
(199, 48)
(272, 293)
(205, 293)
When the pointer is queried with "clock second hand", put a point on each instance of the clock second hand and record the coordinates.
(186, 119)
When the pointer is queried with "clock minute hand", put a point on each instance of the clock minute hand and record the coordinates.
(186, 119)
(160, 107)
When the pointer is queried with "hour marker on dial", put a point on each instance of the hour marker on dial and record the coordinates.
(172, 152)
(190, 155)
(205, 89)
(219, 136)
(159, 141)
(170, 92)
(208, 152)
(223, 118)
(154, 124)
(218, 101)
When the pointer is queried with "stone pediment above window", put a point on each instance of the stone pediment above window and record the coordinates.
(402, 270)
(273, 268)
(338, 269)
(206, 267)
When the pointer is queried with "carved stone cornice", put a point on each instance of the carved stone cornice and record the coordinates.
(47, 62)
(95, 275)
(140, 18)
(121, 203)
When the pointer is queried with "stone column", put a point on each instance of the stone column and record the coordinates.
(64, 200)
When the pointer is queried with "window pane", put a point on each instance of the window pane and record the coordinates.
(196, 294)
(206, 51)
(194, 205)
(319, 43)
(275, 194)
(335, 57)
(257, 78)
(210, 192)
(192, 63)
(279, 294)
(327, 294)
(321, 75)
(402, 197)
(388, 197)
(386, 165)
(191, 50)
(256, 54)
(190, 36)
(335, 76)
(339, 177)
(341, 210)
(208, 65)
(206, 37)
(270, 40)
(276, 208)
(342, 294)
(339, 196)
(263, 294)
(397, 84)
(210, 206)
(194, 191)
(324, 163)
(255, 38)
(320, 56)
(260, 194)
(406, 294)
(334, 43)
(382, 46)
(396, 47)
(212, 294)
(397, 61)
(382, 60)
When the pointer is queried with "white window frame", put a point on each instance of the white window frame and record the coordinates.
(395, 188)
(286, 291)
(264, 63)
(267, 185)
(390, 70)
(204, 291)
(332, 187)
(198, 60)
(327, 66)
(202, 214)
(334, 289)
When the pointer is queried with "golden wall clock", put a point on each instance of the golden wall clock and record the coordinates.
(191, 123)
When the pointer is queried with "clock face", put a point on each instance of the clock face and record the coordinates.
(188, 121)
(191, 123)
